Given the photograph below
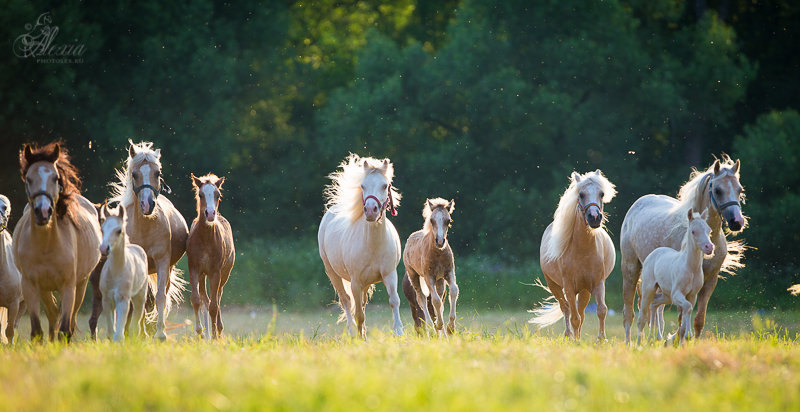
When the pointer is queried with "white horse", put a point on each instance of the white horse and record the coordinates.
(10, 278)
(655, 220)
(678, 274)
(123, 281)
(358, 244)
(577, 255)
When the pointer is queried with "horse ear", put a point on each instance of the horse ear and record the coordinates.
(716, 167)
(385, 165)
(691, 214)
(158, 153)
(704, 215)
(576, 177)
(27, 152)
(452, 206)
(736, 165)
(195, 180)
(429, 204)
(131, 150)
(104, 213)
(366, 165)
(56, 152)
(121, 211)
(220, 181)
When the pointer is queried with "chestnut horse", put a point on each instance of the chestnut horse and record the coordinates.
(654, 221)
(577, 255)
(429, 263)
(358, 244)
(154, 224)
(56, 241)
(211, 254)
(10, 279)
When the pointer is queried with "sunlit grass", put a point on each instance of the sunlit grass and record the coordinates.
(495, 362)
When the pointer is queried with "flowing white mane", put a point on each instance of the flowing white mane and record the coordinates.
(694, 193)
(122, 190)
(567, 212)
(343, 196)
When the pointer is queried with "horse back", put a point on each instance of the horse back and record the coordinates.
(651, 222)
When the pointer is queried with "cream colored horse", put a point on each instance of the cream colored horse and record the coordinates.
(154, 224)
(10, 279)
(56, 240)
(675, 276)
(358, 244)
(655, 220)
(577, 255)
(123, 281)
(429, 263)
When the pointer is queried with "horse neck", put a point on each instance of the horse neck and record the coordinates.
(45, 234)
(581, 232)
(429, 243)
(691, 253)
(116, 258)
(702, 201)
(374, 231)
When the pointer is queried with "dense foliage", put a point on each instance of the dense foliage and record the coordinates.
(492, 103)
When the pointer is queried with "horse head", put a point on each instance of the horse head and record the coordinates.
(208, 192)
(594, 190)
(146, 178)
(42, 181)
(112, 224)
(700, 231)
(726, 195)
(376, 191)
(437, 214)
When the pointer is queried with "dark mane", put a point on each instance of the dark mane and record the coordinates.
(57, 153)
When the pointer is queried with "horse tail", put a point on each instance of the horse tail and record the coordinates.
(734, 260)
(177, 285)
(4, 324)
(151, 314)
(549, 311)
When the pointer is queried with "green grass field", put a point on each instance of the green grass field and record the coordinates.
(301, 361)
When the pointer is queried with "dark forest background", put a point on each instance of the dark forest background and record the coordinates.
(492, 103)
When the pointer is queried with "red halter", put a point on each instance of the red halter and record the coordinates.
(389, 203)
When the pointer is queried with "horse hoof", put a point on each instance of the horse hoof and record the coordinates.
(160, 336)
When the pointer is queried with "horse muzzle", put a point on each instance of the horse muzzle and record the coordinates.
(43, 214)
(734, 218)
(104, 250)
(372, 212)
(148, 206)
(210, 215)
(708, 248)
(594, 218)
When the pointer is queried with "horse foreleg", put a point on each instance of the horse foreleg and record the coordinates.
(357, 290)
(137, 307)
(11, 320)
(121, 309)
(199, 301)
(599, 294)
(440, 292)
(451, 325)
(213, 309)
(702, 303)
(108, 313)
(574, 318)
(80, 293)
(67, 306)
(390, 281)
(422, 300)
(583, 301)
(31, 295)
(161, 300)
(51, 312)
(686, 314)
(436, 300)
(224, 275)
(97, 298)
(631, 271)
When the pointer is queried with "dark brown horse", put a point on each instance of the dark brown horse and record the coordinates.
(211, 254)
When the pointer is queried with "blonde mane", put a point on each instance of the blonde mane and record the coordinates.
(122, 190)
(565, 216)
(343, 196)
(427, 211)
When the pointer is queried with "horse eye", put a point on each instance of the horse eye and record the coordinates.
(602, 194)
(583, 195)
(383, 187)
(718, 192)
(158, 174)
(135, 175)
(694, 232)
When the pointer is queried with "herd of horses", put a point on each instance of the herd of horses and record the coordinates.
(678, 247)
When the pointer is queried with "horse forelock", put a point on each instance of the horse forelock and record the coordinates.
(344, 192)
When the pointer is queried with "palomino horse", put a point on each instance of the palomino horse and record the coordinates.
(577, 254)
(123, 281)
(358, 244)
(10, 279)
(672, 276)
(154, 224)
(429, 261)
(56, 240)
(211, 253)
(655, 220)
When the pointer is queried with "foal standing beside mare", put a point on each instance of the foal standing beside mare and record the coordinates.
(655, 220)
(57, 238)
(10, 279)
(211, 254)
(154, 224)
(429, 264)
(678, 275)
(577, 255)
(123, 281)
